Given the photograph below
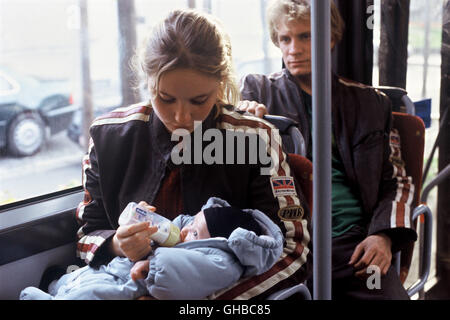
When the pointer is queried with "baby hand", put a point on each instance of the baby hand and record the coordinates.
(140, 270)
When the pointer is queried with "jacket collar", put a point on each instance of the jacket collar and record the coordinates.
(334, 78)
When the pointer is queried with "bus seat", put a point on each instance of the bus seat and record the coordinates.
(303, 170)
(293, 140)
(399, 99)
(412, 133)
(412, 140)
(412, 146)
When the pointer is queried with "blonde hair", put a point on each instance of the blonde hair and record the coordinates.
(193, 40)
(300, 10)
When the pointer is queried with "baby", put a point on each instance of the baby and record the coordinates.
(210, 223)
(219, 239)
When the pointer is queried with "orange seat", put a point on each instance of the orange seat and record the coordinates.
(302, 170)
(412, 140)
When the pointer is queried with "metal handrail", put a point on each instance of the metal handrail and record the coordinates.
(299, 145)
(289, 127)
(286, 293)
(441, 176)
(424, 210)
(436, 142)
(428, 226)
(409, 105)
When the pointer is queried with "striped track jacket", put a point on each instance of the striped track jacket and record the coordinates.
(127, 159)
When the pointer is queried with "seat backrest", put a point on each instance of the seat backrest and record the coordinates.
(412, 140)
(293, 140)
(399, 99)
(302, 170)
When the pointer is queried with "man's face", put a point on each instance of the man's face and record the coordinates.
(294, 40)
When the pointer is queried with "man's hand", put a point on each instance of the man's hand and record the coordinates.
(254, 107)
(374, 250)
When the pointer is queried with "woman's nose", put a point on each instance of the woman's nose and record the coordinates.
(182, 115)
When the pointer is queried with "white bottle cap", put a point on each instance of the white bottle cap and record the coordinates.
(127, 215)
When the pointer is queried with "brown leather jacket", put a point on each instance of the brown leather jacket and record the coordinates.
(368, 147)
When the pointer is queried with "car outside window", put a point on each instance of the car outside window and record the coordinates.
(5, 86)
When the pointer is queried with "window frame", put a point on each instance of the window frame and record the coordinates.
(35, 225)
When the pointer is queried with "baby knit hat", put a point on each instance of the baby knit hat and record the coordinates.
(222, 221)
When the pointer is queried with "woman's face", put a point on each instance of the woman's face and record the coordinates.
(184, 96)
(196, 230)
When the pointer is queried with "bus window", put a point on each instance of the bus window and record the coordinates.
(424, 51)
(41, 121)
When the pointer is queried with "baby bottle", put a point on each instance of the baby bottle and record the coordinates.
(167, 235)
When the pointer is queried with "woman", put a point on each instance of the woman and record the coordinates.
(188, 65)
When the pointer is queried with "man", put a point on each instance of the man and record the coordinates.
(371, 195)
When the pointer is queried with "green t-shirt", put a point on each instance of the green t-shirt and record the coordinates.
(346, 205)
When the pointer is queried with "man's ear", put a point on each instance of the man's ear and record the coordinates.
(332, 44)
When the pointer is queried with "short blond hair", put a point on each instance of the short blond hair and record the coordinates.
(300, 10)
(189, 39)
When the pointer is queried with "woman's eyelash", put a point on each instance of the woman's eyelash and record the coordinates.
(166, 100)
(198, 102)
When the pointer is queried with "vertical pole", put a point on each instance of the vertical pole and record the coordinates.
(207, 6)
(127, 46)
(85, 74)
(393, 52)
(265, 38)
(426, 48)
(191, 4)
(353, 56)
(425, 53)
(321, 89)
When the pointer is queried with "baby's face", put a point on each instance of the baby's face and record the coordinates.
(196, 230)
